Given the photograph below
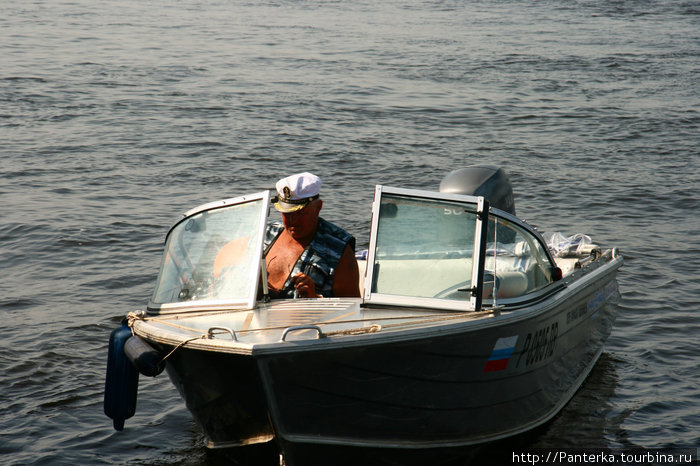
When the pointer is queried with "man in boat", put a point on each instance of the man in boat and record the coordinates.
(307, 256)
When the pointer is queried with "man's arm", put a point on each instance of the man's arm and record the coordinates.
(346, 283)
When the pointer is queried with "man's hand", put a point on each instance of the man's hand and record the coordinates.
(304, 286)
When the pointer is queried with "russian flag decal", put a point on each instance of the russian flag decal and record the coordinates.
(500, 355)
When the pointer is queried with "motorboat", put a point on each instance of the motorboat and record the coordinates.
(471, 327)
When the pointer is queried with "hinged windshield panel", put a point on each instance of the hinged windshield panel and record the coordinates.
(422, 249)
(212, 257)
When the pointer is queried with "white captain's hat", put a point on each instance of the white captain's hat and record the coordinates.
(296, 191)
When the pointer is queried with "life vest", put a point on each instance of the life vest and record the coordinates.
(319, 260)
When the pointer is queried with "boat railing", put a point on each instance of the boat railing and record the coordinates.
(212, 330)
(296, 328)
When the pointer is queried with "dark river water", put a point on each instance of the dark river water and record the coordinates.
(117, 116)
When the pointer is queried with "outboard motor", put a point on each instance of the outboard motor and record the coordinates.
(481, 180)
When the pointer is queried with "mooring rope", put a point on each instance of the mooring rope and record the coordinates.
(132, 317)
(180, 345)
(354, 331)
(376, 327)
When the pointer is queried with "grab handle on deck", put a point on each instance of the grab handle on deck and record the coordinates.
(210, 332)
(301, 327)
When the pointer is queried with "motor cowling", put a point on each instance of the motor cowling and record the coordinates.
(488, 181)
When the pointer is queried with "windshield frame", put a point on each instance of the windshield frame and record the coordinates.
(472, 204)
(257, 237)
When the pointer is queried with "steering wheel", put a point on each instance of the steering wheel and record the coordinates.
(457, 291)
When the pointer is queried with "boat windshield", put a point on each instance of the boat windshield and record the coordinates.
(516, 259)
(422, 250)
(214, 255)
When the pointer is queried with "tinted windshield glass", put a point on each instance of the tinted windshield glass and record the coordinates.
(212, 256)
(423, 248)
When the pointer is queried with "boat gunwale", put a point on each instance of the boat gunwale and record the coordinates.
(493, 318)
(462, 321)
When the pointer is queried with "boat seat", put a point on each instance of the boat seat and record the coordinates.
(512, 284)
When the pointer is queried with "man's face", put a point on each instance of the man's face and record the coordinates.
(302, 223)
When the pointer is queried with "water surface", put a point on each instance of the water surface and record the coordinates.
(118, 116)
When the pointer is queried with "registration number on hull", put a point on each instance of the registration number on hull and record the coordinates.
(539, 345)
